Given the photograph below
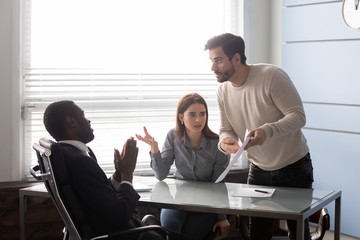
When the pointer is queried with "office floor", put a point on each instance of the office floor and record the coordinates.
(329, 235)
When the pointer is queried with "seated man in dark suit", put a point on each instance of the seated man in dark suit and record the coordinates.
(109, 203)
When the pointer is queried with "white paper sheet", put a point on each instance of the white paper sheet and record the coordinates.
(141, 187)
(253, 192)
(235, 158)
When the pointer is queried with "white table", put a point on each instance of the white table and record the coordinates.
(286, 203)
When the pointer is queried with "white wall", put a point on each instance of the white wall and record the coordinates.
(5, 94)
(9, 103)
(262, 31)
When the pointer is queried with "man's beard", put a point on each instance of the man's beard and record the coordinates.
(226, 75)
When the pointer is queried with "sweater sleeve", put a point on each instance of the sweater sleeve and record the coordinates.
(286, 98)
(226, 130)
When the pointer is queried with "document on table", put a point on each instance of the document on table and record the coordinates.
(235, 158)
(141, 187)
(253, 192)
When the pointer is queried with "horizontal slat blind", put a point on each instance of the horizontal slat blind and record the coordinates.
(126, 63)
(117, 104)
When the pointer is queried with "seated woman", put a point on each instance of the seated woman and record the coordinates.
(193, 147)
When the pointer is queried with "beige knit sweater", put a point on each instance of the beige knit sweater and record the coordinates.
(268, 99)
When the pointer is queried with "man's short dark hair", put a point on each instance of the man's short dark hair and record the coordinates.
(230, 43)
(55, 117)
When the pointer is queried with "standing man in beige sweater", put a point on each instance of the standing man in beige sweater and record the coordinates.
(262, 99)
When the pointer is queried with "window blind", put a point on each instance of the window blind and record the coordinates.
(117, 104)
(126, 63)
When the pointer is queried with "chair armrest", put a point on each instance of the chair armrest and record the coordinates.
(34, 172)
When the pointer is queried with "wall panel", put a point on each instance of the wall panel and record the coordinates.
(305, 2)
(321, 55)
(337, 118)
(334, 168)
(324, 22)
(324, 71)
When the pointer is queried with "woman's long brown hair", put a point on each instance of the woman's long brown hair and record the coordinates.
(183, 105)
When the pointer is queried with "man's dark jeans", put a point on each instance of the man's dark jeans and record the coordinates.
(298, 174)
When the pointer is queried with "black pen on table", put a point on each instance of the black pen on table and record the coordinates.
(261, 191)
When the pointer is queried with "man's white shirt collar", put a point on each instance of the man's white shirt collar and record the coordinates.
(80, 145)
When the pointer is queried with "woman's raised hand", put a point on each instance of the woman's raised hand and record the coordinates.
(154, 148)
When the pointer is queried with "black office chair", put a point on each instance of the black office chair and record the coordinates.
(322, 218)
(52, 171)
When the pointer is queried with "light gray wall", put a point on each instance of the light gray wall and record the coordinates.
(321, 55)
(9, 117)
(5, 94)
(262, 31)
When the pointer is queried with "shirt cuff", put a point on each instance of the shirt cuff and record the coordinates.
(126, 182)
(116, 184)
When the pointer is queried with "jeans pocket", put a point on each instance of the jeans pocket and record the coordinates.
(298, 174)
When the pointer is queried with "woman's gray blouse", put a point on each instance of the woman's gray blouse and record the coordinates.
(202, 163)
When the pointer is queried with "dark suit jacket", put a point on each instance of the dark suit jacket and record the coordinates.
(106, 210)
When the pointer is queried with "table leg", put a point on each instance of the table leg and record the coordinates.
(337, 218)
(22, 211)
(300, 228)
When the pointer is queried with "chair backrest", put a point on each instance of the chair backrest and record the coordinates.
(53, 172)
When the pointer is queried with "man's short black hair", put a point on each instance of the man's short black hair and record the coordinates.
(230, 43)
(55, 117)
